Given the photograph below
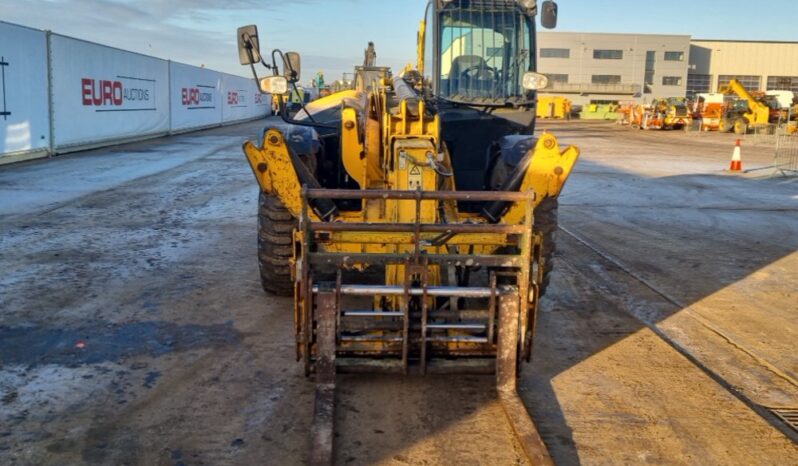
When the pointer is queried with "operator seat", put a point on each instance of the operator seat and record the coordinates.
(458, 83)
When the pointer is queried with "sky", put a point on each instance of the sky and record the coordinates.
(332, 34)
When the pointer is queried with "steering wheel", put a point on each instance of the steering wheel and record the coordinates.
(475, 72)
(488, 76)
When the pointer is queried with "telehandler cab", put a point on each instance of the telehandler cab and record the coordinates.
(414, 221)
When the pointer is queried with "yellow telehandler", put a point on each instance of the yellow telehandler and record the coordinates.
(741, 115)
(414, 221)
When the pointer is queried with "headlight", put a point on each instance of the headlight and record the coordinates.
(276, 85)
(535, 81)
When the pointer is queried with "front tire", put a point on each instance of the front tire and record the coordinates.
(275, 245)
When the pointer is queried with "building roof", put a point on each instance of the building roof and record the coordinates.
(615, 33)
(748, 41)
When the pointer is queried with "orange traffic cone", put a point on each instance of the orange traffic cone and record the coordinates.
(737, 160)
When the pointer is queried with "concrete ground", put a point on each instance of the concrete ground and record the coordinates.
(133, 329)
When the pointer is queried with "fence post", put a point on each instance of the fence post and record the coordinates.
(50, 109)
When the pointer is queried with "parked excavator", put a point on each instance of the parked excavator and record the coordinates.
(414, 220)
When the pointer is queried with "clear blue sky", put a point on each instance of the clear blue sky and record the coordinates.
(331, 34)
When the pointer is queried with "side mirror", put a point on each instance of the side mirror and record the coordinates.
(292, 66)
(248, 45)
(548, 17)
(275, 85)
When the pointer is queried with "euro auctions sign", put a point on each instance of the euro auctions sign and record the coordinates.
(240, 98)
(120, 94)
(196, 97)
(237, 98)
(104, 94)
(200, 97)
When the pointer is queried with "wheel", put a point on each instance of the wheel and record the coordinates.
(724, 126)
(740, 126)
(546, 222)
(275, 245)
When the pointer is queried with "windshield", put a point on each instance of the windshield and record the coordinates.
(484, 54)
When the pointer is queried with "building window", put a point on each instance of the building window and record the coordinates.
(783, 83)
(555, 53)
(605, 79)
(671, 80)
(698, 84)
(674, 56)
(751, 83)
(557, 78)
(651, 63)
(608, 54)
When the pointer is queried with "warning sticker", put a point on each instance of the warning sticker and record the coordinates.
(414, 178)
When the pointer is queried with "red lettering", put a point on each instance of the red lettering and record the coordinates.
(102, 92)
(96, 93)
(86, 85)
(108, 92)
(191, 96)
(118, 93)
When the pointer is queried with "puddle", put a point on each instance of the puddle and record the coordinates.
(101, 341)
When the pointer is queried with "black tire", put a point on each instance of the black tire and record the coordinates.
(725, 126)
(546, 223)
(275, 245)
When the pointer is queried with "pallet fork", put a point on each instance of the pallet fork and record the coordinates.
(415, 323)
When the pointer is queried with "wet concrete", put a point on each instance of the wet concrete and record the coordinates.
(133, 329)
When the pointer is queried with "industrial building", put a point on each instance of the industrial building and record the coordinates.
(603, 68)
(758, 65)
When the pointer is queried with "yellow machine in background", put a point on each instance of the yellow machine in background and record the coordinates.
(413, 180)
(671, 113)
(554, 107)
(750, 112)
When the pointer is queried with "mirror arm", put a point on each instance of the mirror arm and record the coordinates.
(283, 109)
(274, 61)
(255, 73)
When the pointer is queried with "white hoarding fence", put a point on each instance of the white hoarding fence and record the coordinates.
(24, 108)
(61, 94)
(102, 94)
(196, 97)
(242, 99)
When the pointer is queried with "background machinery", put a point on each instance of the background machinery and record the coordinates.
(413, 220)
(746, 112)
(554, 107)
(671, 113)
(708, 109)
